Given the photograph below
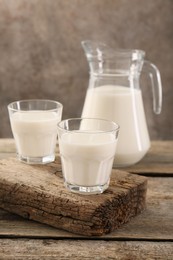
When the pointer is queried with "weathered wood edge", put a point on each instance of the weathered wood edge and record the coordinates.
(125, 198)
(155, 223)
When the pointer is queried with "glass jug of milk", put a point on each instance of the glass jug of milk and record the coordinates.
(114, 94)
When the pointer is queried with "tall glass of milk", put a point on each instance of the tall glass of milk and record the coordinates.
(34, 127)
(87, 150)
(114, 94)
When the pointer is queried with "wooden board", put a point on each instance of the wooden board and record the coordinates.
(147, 236)
(157, 162)
(154, 223)
(38, 193)
(48, 249)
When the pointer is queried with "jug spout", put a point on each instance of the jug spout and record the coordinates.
(96, 53)
(95, 49)
(105, 60)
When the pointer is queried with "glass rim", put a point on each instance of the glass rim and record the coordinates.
(116, 126)
(11, 108)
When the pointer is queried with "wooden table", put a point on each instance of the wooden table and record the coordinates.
(147, 236)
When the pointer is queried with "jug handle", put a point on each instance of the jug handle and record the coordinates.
(156, 84)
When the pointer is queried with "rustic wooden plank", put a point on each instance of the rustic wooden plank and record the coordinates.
(159, 208)
(81, 249)
(7, 145)
(35, 192)
(7, 155)
(8, 150)
(159, 160)
(155, 223)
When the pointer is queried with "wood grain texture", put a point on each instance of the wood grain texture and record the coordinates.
(83, 249)
(147, 236)
(155, 223)
(38, 193)
(158, 160)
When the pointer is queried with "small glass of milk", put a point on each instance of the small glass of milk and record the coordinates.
(87, 149)
(34, 127)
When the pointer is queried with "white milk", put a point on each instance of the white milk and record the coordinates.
(87, 158)
(35, 132)
(125, 107)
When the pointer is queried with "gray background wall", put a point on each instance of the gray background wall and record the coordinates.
(41, 55)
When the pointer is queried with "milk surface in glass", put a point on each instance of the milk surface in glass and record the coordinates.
(124, 106)
(35, 132)
(87, 159)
